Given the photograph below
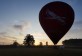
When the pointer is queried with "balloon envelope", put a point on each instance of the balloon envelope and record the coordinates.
(56, 18)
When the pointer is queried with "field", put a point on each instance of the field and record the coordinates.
(40, 51)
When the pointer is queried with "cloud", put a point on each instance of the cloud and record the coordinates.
(6, 38)
(78, 22)
(6, 35)
(3, 33)
(21, 25)
(16, 30)
(77, 25)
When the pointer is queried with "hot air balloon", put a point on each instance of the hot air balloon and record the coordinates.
(56, 18)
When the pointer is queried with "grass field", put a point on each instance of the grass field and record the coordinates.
(40, 51)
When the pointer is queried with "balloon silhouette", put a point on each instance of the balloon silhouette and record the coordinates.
(56, 18)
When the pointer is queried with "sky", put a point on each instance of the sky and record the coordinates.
(21, 17)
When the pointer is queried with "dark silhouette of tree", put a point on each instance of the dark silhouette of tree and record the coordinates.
(15, 43)
(46, 43)
(29, 40)
(41, 44)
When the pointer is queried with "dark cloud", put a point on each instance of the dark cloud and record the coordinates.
(21, 25)
(77, 27)
(6, 36)
(78, 22)
(3, 33)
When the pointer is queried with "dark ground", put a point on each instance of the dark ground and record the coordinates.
(40, 51)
